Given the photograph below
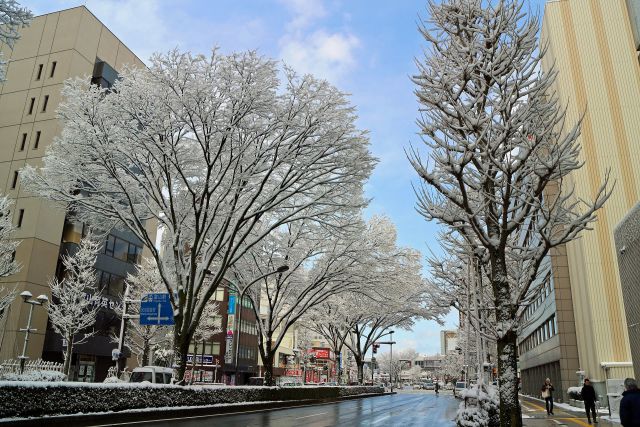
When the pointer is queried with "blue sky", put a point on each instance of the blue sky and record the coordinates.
(365, 47)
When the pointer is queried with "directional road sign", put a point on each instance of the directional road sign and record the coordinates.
(155, 309)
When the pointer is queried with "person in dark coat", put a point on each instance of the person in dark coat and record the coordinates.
(437, 387)
(630, 404)
(589, 397)
(547, 395)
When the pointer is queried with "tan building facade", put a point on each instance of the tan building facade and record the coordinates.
(591, 44)
(55, 47)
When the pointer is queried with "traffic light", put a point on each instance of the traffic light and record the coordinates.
(375, 348)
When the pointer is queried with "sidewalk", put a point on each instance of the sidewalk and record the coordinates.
(534, 414)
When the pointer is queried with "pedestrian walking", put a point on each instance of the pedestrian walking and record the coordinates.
(437, 387)
(589, 398)
(547, 395)
(630, 404)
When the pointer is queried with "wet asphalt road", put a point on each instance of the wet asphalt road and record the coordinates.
(420, 408)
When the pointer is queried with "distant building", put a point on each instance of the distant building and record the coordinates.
(430, 365)
(448, 341)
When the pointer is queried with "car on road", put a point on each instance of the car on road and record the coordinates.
(428, 385)
(151, 374)
(417, 386)
(459, 388)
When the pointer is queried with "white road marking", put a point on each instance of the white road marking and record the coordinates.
(313, 415)
(381, 419)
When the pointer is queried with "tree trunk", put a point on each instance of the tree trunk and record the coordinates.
(360, 365)
(269, 380)
(193, 361)
(510, 412)
(181, 348)
(146, 349)
(67, 357)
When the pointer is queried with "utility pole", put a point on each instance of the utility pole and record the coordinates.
(117, 354)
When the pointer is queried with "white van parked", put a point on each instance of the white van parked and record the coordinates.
(151, 374)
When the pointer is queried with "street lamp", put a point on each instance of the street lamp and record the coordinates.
(40, 300)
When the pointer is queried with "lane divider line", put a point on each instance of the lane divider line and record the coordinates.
(312, 415)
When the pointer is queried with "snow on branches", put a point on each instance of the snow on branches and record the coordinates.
(500, 154)
(143, 340)
(215, 150)
(12, 18)
(8, 265)
(70, 313)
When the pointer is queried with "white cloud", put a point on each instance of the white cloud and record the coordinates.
(304, 12)
(310, 48)
(326, 55)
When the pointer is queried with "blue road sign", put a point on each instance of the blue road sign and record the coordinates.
(155, 309)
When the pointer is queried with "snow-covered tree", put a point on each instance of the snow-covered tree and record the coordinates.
(499, 154)
(395, 297)
(205, 147)
(8, 265)
(142, 340)
(325, 320)
(398, 365)
(6, 298)
(451, 366)
(320, 262)
(70, 313)
(209, 326)
(12, 18)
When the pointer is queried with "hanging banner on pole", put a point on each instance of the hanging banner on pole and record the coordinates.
(232, 305)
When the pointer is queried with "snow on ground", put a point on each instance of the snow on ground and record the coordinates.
(162, 408)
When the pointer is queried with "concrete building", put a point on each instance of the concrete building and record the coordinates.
(579, 327)
(448, 341)
(53, 48)
(430, 365)
(627, 237)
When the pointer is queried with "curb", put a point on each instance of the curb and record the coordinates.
(143, 415)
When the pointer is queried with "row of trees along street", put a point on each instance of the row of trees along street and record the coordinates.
(497, 170)
(242, 174)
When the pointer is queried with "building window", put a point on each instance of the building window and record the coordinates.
(37, 143)
(121, 249)
(53, 68)
(23, 143)
(109, 245)
(31, 104)
(20, 217)
(14, 183)
(44, 104)
(40, 67)
(215, 348)
(110, 284)
(134, 254)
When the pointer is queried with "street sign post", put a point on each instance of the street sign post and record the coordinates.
(155, 309)
(115, 354)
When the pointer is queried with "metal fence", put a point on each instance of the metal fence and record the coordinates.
(13, 366)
